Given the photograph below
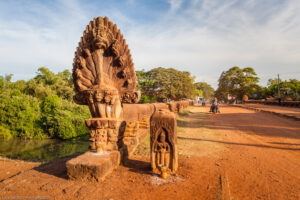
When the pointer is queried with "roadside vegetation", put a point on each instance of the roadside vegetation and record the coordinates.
(43, 106)
(237, 82)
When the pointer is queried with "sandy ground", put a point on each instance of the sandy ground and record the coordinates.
(237, 154)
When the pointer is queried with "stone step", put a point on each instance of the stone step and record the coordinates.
(91, 166)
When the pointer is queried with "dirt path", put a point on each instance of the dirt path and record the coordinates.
(238, 154)
(263, 161)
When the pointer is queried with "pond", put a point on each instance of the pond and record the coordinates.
(40, 150)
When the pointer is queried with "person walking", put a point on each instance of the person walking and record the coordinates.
(203, 102)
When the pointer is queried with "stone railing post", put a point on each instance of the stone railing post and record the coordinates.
(163, 141)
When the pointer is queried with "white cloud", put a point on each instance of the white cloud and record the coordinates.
(227, 35)
(175, 4)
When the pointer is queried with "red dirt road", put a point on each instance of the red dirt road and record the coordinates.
(237, 154)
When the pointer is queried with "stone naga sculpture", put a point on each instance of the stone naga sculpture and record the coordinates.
(104, 79)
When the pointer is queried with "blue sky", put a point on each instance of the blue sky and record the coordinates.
(204, 37)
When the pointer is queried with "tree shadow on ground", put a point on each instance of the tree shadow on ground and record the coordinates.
(240, 144)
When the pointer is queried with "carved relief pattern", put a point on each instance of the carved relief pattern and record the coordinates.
(144, 123)
(106, 130)
(104, 78)
(103, 62)
(164, 141)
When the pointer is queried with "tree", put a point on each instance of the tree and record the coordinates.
(5, 81)
(207, 90)
(47, 83)
(169, 84)
(237, 82)
(288, 89)
(145, 85)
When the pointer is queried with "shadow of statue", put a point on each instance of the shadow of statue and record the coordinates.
(57, 167)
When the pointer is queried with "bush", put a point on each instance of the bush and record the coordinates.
(63, 119)
(5, 133)
(20, 114)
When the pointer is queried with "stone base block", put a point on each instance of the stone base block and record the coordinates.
(92, 166)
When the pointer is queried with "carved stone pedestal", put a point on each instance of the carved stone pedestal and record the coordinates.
(105, 130)
(92, 166)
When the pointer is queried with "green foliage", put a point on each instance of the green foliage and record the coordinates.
(145, 85)
(198, 93)
(288, 89)
(2, 83)
(206, 89)
(5, 133)
(5, 81)
(259, 92)
(20, 114)
(63, 119)
(237, 82)
(47, 83)
(145, 99)
(162, 83)
(41, 107)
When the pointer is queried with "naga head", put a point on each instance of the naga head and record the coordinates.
(100, 40)
(98, 96)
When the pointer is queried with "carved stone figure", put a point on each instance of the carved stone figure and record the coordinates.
(162, 150)
(164, 141)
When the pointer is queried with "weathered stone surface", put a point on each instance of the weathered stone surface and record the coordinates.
(105, 80)
(103, 70)
(137, 112)
(164, 141)
(106, 130)
(144, 123)
(91, 166)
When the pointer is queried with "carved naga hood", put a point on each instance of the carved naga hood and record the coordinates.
(103, 64)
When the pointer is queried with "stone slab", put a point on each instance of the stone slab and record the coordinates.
(91, 166)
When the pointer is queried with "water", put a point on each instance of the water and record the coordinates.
(40, 150)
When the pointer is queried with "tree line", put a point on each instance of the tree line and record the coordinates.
(43, 106)
(237, 82)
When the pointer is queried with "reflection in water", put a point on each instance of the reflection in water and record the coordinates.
(40, 150)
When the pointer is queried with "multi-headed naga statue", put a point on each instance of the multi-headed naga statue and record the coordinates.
(105, 80)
